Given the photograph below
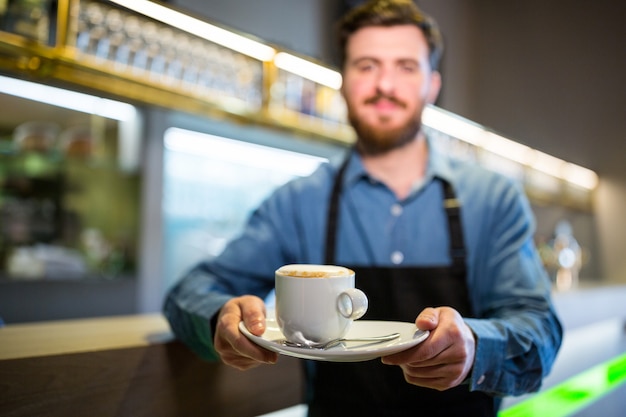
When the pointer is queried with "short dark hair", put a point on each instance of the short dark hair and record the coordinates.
(390, 13)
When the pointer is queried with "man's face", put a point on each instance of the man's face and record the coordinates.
(387, 82)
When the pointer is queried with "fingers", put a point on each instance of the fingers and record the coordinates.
(253, 314)
(427, 319)
(440, 377)
(445, 358)
(234, 348)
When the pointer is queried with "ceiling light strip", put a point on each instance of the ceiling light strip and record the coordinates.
(200, 28)
(478, 136)
(308, 70)
(67, 99)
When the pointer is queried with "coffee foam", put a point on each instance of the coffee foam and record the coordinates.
(314, 271)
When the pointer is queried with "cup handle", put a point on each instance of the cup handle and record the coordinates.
(352, 303)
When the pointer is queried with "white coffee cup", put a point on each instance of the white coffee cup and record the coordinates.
(317, 303)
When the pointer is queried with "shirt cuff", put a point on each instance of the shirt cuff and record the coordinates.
(489, 357)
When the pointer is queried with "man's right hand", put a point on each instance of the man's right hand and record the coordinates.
(234, 348)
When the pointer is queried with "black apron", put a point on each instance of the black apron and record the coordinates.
(397, 294)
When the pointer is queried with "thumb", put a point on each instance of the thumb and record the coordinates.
(428, 319)
(253, 314)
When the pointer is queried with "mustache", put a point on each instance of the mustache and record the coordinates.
(382, 96)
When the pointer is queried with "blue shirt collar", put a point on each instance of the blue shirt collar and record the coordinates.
(439, 166)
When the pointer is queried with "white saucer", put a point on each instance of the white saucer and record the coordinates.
(347, 351)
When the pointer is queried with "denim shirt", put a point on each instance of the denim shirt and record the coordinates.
(517, 331)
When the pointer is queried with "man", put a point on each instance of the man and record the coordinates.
(441, 243)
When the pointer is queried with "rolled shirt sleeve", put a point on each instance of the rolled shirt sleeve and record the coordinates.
(518, 333)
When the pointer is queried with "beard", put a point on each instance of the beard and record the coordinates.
(375, 140)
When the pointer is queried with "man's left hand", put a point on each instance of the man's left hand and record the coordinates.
(445, 358)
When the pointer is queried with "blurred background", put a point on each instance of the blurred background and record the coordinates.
(136, 137)
(106, 198)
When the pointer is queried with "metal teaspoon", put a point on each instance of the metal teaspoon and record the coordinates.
(335, 342)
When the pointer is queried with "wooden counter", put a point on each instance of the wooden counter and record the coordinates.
(129, 366)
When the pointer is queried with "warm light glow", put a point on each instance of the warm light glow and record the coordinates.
(467, 131)
(583, 177)
(547, 164)
(308, 70)
(452, 125)
(200, 28)
(507, 148)
(72, 100)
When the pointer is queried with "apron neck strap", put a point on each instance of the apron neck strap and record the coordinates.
(332, 218)
(451, 205)
(453, 211)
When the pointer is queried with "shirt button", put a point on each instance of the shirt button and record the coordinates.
(396, 210)
(480, 380)
(397, 257)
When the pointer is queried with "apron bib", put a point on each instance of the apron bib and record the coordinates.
(396, 294)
